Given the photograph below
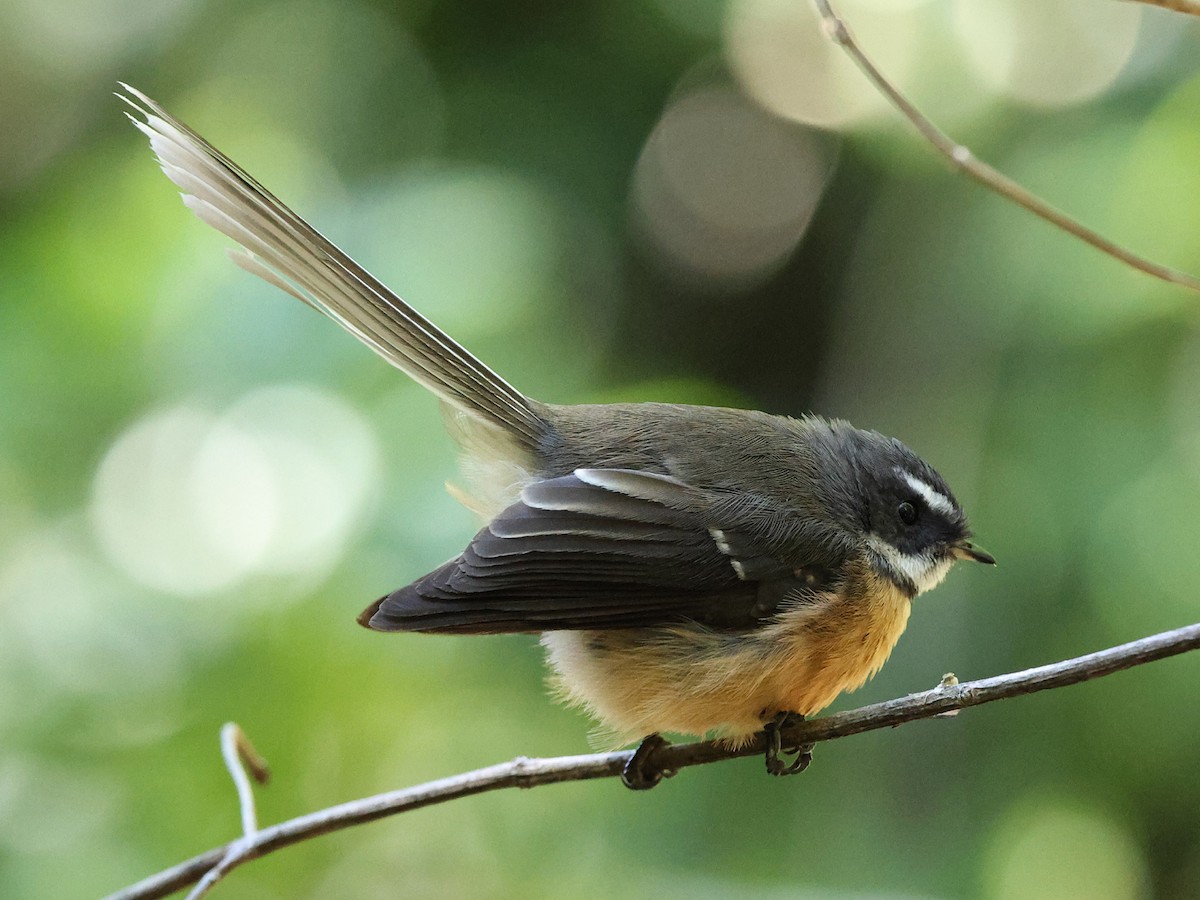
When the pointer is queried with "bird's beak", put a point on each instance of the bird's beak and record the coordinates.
(967, 550)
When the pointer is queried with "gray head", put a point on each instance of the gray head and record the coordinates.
(915, 528)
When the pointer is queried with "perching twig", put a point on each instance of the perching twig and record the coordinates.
(239, 755)
(994, 180)
(948, 696)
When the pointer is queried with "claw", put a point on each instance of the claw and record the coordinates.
(639, 773)
(774, 734)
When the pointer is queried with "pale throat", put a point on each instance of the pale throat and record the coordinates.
(924, 571)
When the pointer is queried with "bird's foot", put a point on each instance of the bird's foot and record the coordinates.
(774, 735)
(640, 773)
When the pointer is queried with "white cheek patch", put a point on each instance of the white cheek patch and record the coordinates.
(935, 500)
(934, 573)
(924, 571)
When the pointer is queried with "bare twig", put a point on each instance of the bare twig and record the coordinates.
(1187, 7)
(961, 156)
(237, 852)
(522, 772)
(239, 755)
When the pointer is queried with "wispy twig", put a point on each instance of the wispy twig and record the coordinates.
(1187, 7)
(991, 178)
(947, 697)
(239, 755)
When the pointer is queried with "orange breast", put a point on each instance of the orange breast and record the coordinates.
(692, 680)
(840, 648)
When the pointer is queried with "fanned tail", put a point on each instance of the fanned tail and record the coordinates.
(284, 250)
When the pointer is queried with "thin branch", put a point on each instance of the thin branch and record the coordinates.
(237, 852)
(239, 755)
(962, 158)
(948, 697)
(1187, 7)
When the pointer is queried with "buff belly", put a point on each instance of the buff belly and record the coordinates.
(692, 680)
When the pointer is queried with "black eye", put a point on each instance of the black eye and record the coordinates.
(907, 513)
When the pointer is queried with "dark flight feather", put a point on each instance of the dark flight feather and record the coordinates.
(600, 548)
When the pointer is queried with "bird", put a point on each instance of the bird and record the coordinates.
(691, 570)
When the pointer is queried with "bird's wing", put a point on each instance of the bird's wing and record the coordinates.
(599, 548)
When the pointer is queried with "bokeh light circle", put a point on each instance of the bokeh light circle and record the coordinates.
(722, 191)
(189, 502)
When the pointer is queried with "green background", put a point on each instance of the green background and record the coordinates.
(202, 483)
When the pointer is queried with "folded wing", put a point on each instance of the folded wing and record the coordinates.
(600, 548)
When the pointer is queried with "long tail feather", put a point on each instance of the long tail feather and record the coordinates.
(284, 250)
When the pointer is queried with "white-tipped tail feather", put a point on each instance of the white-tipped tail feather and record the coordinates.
(284, 250)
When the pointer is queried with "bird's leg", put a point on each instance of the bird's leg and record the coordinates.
(774, 735)
(640, 774)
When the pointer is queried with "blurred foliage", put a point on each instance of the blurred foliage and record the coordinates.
(201, 483)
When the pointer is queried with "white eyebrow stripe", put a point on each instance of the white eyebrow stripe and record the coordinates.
(936, 500)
